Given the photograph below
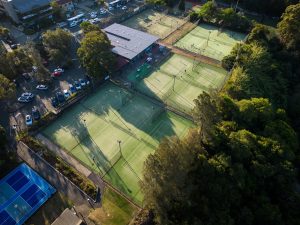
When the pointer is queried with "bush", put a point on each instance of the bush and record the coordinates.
(29, 31)
(45, 120)
(78, 179)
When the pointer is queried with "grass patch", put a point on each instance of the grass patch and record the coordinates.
(115, 210)
(50, 210)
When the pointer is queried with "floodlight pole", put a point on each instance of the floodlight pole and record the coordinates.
(209, 32)
(237, 3)
(119, 142)
(174, 78)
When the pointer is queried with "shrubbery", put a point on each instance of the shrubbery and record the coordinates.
(227, 17)
(83, 183)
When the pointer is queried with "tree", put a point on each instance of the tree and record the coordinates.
(288, 27)
(4, 33)
(41, 73)
(88, 27)
(58, 45)
(3, 138)
(13, 64)
(181, 5)
(95, 54)
(7, 88)
(57, 11)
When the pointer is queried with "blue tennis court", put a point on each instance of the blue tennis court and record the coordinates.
(22, 192)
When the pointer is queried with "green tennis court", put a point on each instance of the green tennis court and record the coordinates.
(210, 41)
(178, 81)
(90, 131)
(155, 23)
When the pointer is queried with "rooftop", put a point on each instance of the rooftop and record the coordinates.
(67, 218)
(24, 6)
(128, 42)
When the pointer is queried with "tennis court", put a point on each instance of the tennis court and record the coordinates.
(22, 192)
(155, 23)
(210, 41)
(92, 129)
(178, 81)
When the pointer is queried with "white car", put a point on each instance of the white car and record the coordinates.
(84, 20)
(28, 120)
(42, 87)
(67, 94)
(93, 15)
(73, 24)
(102, 11)
(96, 20)
(110, 8)
(124, 7)
(27, 95)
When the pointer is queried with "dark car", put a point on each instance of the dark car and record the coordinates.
(35, 113)
(54, 102)
(26, 76)
(60, 97)
(23, 99)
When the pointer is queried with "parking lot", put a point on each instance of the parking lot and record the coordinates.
(42, 99)
(96, 14)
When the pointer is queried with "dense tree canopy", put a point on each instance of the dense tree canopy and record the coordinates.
(57, 43)
(13, 64)
(239, 165)
(268, 7)
(7, 88)
(289, 27)
(95, 54)
(223, 17)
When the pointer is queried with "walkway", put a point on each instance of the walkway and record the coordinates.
(59, 181)
(192, 55)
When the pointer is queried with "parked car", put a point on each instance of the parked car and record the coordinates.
(103, 11)
(28, 120)
(73, 24)
(82, 82)
(62, 24)
(34, 69)
(124, 7)
(58, 72)
(77, 85)
(110, 8)
(24, 99)
(72, 89)
(60, 97)
(93, 15)
(67, 94)
(35, 113)
(42, 87)
(54, 102)
(26, 76)
(97, 20)
(27, 95)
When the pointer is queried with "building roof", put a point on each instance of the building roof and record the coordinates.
(24, 6)
(62, 2)
(67, 218)
(128, 42)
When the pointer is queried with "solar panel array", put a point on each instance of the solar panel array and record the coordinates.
(22, 192)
